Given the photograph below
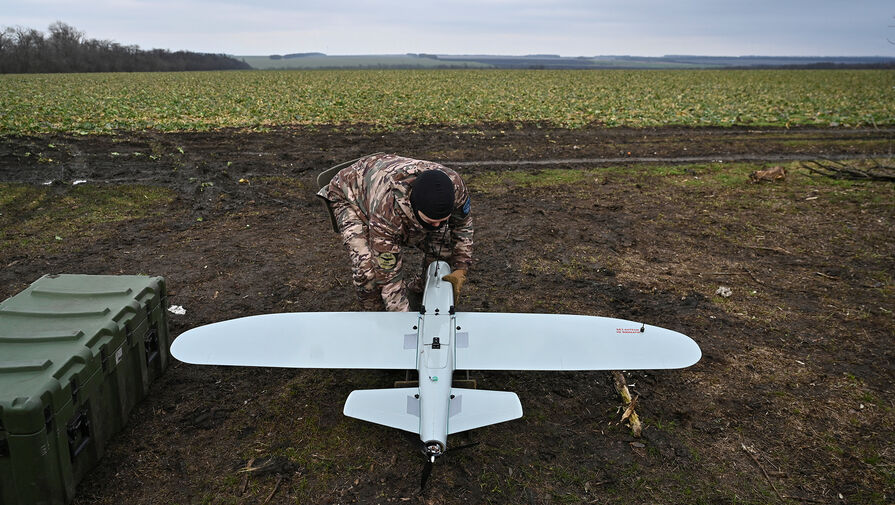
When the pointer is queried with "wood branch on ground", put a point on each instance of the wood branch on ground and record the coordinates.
(275, 488)
(869, 169)
(245, 477)
(630, 415)
(758, 464)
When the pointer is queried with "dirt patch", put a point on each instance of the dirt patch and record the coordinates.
(792, 400)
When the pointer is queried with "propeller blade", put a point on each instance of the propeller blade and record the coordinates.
(427, 470)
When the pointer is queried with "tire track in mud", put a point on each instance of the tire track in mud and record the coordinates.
(191, 162)
(728, 158)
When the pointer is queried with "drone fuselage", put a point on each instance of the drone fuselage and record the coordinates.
(435, 360)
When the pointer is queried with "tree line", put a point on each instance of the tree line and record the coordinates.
(65, 49)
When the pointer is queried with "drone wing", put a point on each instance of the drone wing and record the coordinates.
(474, 408)
(499, 341)
(305, 340)
(395, 407)
(400, 408)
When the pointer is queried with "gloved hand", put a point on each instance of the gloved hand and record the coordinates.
(457, 278)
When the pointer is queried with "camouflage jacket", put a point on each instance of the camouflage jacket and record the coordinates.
(379, 186)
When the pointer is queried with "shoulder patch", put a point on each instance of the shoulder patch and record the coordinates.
(387, 260)
(467, 206)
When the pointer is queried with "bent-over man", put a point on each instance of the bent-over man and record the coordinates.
(385, 203)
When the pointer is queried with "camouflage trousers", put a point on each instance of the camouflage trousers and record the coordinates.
(372, 294)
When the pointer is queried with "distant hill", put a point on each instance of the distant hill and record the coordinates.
(549, 61)
(370, 61)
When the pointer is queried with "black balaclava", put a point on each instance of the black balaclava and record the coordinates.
(432, 193)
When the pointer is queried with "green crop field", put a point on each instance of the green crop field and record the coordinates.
(103, 103)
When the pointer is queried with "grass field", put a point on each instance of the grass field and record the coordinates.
(103, 103)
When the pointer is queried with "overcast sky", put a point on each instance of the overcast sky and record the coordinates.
(507, 27)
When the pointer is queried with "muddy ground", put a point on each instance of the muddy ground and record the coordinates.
(792, 401)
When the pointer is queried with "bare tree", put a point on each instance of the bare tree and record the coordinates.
(25, 50)
(65, 47)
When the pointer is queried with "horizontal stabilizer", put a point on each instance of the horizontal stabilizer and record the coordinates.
(499, 341)
(374, 340)
(474, 408)
(393, 407)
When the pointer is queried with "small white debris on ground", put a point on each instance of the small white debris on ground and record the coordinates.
(177, 310)
(79, 181)
(724, 291)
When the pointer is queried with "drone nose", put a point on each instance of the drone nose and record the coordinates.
(433, 449)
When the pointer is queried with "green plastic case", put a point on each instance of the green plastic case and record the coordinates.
(77, 353)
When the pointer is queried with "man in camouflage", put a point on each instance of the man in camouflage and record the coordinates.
(384, 203)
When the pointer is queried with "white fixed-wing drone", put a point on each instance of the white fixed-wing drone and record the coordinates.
(435, 341)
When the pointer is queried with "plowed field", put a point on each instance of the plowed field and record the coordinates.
(792, 401)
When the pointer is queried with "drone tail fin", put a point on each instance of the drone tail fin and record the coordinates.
(393, 407)
(474, 408)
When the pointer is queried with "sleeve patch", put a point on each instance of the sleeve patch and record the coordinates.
(387, 260)
(467, 206)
